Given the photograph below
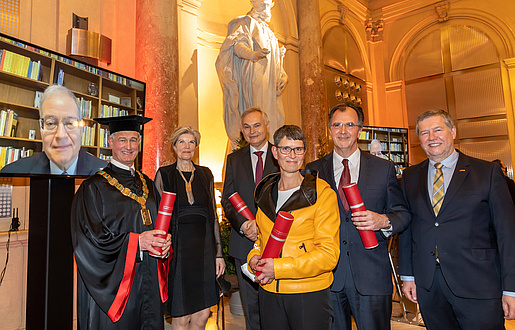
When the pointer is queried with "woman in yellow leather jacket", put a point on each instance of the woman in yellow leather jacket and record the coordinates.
(294, 291)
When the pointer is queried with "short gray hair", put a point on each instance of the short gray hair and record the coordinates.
(251, 110)
(185, 130)
(432, 113)
(58, 90)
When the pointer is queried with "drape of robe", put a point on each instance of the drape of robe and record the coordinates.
(116, 289)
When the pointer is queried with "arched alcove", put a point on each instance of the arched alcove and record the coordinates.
(213, 17)
(456, 66)
(344, 68)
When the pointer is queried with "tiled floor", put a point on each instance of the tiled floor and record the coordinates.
(235, 322)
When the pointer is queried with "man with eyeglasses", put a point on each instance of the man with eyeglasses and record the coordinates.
(243, 170)
(61, 130)
(362, 284)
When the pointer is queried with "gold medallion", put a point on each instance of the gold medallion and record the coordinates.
(145, 215)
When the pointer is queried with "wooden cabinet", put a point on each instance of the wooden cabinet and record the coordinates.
(100, 92)
(394, 143)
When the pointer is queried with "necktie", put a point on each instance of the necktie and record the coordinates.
(344, 180)
(438, 189)
(259, 166)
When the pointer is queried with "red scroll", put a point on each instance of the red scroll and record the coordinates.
(368, 237)
(164, 215)
(240, 206)
(278, 235)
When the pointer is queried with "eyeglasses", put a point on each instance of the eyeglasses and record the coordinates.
(285, 150)
(348, 126)
(50, 124)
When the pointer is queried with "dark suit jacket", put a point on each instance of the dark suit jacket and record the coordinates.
(511, 187)
(239, 178)
(381, 193)
(474, 230)
(40, 164)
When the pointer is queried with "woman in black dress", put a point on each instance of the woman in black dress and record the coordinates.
(197, 258)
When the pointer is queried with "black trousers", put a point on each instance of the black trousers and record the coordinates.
(441, 309)
(369, 312)
(297, 311)
(249, 297)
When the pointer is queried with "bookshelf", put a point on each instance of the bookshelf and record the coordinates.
(394, 142)
(26, 70)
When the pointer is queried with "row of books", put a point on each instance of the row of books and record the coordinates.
(396, 146)
(8, 123)
(88, 136)
(105, 157)
(20, 65)
(397, 158)
(110, 111)
(104, 134)
(12, 154)
(105, 74)
(86, 109)
(365, 135)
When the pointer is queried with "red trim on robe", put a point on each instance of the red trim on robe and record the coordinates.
(163, 267)
(120, 301)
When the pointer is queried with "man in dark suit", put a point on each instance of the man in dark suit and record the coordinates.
(362, 280)
(242, 174)
(61, 132)
(509, 181)
(459, 246)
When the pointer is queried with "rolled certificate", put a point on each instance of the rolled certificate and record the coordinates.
(164, 214)
(368, 237)
(278, 236)
(240, 206)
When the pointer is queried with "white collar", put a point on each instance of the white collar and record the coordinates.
(264, 148)
(123, 166)
(353, 159)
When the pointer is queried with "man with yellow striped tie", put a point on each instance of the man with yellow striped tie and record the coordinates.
(456, 259)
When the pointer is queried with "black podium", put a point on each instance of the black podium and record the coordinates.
(50, 261)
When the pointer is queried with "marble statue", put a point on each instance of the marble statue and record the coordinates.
(250, 69)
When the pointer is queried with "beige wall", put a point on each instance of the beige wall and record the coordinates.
(46, 23)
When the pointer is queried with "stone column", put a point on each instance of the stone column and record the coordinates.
(312, 86)
(157, 64)
(508, 79)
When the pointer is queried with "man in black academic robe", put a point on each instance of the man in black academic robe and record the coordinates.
(119, 285)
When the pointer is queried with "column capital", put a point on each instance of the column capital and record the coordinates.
(343, 10)
(394, 85)
(374, 29)
(442, 9)
(509, 63)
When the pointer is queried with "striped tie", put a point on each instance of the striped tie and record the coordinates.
(438, 189)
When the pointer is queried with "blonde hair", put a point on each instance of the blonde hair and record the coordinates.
(185, 130)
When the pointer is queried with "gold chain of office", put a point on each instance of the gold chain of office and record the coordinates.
(142, 200)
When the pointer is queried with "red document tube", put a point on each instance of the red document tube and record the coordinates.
(240, 206)
(368, 237)
(164, 215)
(278, 236)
